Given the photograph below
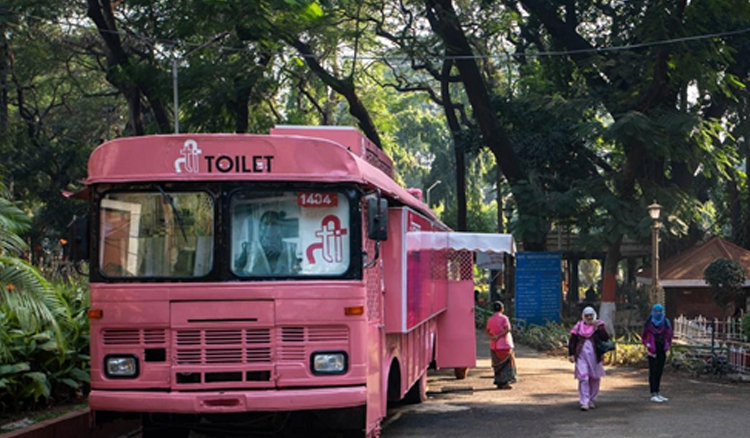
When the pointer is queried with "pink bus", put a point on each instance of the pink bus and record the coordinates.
(256, 282)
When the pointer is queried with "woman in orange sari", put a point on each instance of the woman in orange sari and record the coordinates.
(501, 347)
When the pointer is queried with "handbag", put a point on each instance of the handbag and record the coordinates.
(604, 346)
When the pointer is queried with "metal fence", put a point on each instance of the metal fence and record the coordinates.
(704, 331)
(739, 359)
(723, 336)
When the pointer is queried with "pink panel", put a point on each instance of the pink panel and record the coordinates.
(377, 397)
(347, 136)
(391, 252)
(456, 332)
(239, 157)
(199, 314)
(440, 286)
(425, 285)
(422, 293)
(223, 402)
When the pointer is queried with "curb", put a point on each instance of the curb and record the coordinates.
(76, 424)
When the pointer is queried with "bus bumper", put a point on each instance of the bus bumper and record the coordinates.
(216, 402)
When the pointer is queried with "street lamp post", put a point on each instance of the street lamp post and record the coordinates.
(657, 294)
(427, 195)
(508, 211)
(508, 270)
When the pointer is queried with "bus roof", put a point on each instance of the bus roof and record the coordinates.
(240, 157)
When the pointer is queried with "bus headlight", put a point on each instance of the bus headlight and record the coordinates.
(329, 362)
(121, 366)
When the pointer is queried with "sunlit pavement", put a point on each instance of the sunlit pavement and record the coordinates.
(544, 403)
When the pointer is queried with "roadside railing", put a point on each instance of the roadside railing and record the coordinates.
(723, 335)
(705, 330)
(739, 359)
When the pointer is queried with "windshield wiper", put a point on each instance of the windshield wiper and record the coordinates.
(174, 210)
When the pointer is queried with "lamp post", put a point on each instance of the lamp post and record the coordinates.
(508, 211)
(508, 269)
(657, 294)
(427, 195)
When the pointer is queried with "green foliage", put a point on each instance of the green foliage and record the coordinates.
(629, 351)
(746, 325)
(725, 277)
(626, 354)
(552, 336)
(38, 366)
(24, 293)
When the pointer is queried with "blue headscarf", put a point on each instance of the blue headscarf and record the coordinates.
(657, 314)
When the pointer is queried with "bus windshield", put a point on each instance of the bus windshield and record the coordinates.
(156, 234)
(290, 233)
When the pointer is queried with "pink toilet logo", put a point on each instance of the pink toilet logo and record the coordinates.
(331, 242)
(189, 158)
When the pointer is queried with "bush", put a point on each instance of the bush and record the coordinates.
(553, 336)
(50, 364)
(746, 325)
(629, 350)
(725, 278)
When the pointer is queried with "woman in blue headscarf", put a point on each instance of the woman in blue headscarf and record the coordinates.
(657, 337)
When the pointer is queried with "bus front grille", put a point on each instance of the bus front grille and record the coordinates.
(139, 337)
(223, 346)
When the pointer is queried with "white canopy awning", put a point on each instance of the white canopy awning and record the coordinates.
(476, 242)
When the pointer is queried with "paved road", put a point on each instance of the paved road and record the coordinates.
(545, 404)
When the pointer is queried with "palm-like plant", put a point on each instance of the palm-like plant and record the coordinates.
(24, 294)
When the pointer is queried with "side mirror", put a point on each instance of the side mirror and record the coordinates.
(78, 230)
(377, 219)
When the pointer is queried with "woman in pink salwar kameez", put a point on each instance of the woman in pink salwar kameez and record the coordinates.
(501, 347)
(582, 351)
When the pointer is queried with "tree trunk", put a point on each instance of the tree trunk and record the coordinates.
(608, 307)
(344, 87)
(502, 226)
(160, 114)
(239, 107)
(100, 12)
(243, 88)
(734, 208)
(445, 23)
(458, 149)
(133, 97)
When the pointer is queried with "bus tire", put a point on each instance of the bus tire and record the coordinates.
(461, 373)
(418, 391)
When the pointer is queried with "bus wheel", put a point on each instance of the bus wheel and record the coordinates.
(418, 392)
(461, 373)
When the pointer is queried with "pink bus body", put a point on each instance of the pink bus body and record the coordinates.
(233, 274)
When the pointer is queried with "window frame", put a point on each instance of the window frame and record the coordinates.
(221, 193)
(101, 193)
(353, 195)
